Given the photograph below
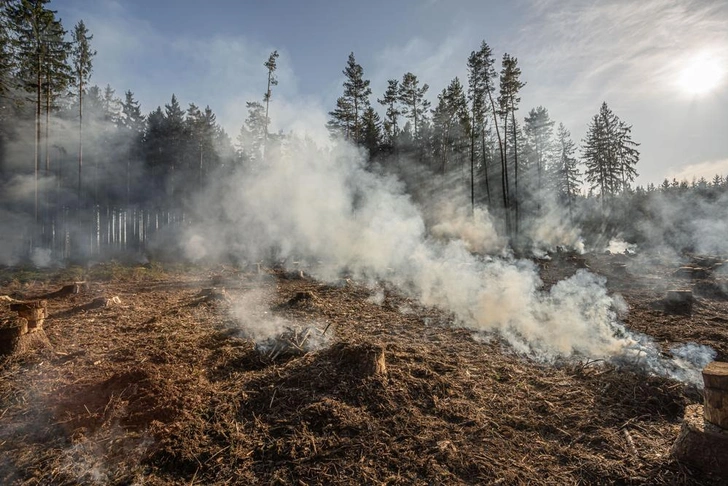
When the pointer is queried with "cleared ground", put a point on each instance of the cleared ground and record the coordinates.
(165, 388)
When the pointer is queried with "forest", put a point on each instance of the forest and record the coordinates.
(88, 172)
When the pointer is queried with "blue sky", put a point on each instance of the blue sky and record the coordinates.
(574, 54)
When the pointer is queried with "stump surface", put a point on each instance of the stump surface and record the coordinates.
(715, 377)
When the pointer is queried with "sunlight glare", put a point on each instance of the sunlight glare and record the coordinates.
(701, 75)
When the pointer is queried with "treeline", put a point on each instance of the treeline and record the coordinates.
(73, 151)
(91, 146)
(472, 142)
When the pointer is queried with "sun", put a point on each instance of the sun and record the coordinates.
(701, 75)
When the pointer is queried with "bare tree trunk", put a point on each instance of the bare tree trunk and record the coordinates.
(267, 102)
(515, 163)
(504, 167)
(80, 138)
(38, 102)
(485, 164)
(472, 167)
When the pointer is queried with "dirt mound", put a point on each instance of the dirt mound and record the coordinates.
(132, 399)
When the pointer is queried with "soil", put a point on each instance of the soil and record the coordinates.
(164, 386)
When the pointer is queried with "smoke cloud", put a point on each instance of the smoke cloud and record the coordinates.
(324, 208)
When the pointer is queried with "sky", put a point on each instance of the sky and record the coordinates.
(661, 65)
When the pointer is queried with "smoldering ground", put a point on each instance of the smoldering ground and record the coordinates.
(322, 206)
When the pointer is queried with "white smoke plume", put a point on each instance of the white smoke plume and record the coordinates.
(252, 313)
(618, 245)
(323, 206)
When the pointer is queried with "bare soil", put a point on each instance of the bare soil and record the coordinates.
(163, 387)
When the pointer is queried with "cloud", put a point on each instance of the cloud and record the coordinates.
(707, 169)
(626, 48)
(220, 70)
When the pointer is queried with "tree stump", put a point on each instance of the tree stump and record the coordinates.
(66, 290)
(35, 312)
(691, 273)
(679, 301)
(16, 337)
(10, 332)
(364, 360)
(701, 443)
(715, 377)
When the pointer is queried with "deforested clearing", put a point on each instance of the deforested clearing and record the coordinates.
(170, 384)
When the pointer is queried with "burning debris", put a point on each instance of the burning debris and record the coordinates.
(294, 341)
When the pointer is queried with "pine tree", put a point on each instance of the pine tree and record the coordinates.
(371, 131)
(451, 124)
(341, 123)
(36, 35)
(414, 104)
(201, 129)
(81, 57)
(57, 76)
(154, 147)
(510, 86)
(7, 61)
(391, 101)
(7, 66)
(482, 68)
(566, 171)
(477, 94)
(252, 136)
(174, 134)
(538, 128)
(131, 123)
(356, 91)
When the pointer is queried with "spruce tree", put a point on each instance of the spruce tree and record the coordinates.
(609, 153)
(566, 170)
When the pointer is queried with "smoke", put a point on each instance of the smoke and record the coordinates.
(617, 245)
(476, 230)
(552, 228)
(323, 206)
(256, 322)
(690, 219)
